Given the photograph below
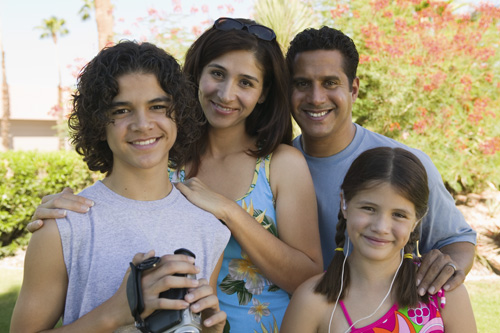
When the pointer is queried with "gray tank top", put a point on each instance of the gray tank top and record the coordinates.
(99, 245)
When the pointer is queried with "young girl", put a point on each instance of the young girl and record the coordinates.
(370, 284)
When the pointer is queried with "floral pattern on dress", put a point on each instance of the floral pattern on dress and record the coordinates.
(273, 327)
(259, 309)
(244, 277)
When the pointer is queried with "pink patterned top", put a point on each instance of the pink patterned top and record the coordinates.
(423, 318)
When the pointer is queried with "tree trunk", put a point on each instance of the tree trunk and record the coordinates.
(61, 129)
(5, 123)
(104, 19)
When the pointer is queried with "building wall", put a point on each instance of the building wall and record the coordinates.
(32, 125)
(33, 134)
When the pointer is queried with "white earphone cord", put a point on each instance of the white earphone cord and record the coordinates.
(342, 283)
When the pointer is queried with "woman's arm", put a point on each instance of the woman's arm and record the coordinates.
(457, 313)
(296, 255)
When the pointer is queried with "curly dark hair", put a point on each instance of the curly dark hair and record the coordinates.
(270, 122)
(328, 39)
(97, 85)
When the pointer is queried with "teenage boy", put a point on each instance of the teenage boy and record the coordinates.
(131, 114)
(323, 65)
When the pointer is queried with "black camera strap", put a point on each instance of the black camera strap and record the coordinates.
(134, 291)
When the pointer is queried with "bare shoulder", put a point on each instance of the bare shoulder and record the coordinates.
(287, 153)
(457, 314)
(457, 295)
(289, 172)
(288, 160)
(45, 249)
(50, 232)
(306, 289)
(307, 309)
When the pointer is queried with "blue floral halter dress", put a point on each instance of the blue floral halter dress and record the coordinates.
(251, 301)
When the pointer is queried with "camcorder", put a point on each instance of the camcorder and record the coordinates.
(161, 321)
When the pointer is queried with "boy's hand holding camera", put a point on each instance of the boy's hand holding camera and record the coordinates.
(163, 277)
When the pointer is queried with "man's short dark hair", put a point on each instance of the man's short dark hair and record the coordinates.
(97, 86)
(328, 39)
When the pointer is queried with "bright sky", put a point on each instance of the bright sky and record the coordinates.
(31, 60)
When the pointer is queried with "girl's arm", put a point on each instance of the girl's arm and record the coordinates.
(457, 313)
(296, 255)
(306, 309)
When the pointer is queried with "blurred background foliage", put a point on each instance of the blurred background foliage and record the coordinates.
(25, 178)
(429, 76)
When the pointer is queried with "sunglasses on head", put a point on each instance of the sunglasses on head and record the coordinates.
(260, 31)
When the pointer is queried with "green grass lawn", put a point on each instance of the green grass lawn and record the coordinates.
(10, 284)
(484, 294)
(485, 298)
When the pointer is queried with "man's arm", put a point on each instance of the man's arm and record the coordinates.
(447, 241)
(438, 267)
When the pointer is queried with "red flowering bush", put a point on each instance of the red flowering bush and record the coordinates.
(430, 79)
(173, 28)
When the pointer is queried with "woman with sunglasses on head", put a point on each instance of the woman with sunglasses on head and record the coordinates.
(244, 172)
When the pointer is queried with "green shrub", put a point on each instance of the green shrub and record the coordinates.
(25, 178)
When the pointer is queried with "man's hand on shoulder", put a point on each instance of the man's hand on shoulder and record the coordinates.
(445, 268)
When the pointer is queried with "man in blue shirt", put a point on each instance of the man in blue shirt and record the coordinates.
(323, 65)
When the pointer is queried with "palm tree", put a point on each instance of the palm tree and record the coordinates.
(104, 19)
(286, 17)
(52, 28)
(5, 124)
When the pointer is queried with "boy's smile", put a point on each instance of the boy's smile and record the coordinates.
(140, 134)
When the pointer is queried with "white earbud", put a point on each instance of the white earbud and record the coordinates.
(344, 206)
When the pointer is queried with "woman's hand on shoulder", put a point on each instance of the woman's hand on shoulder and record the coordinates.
(200, 195)
(54, 206)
